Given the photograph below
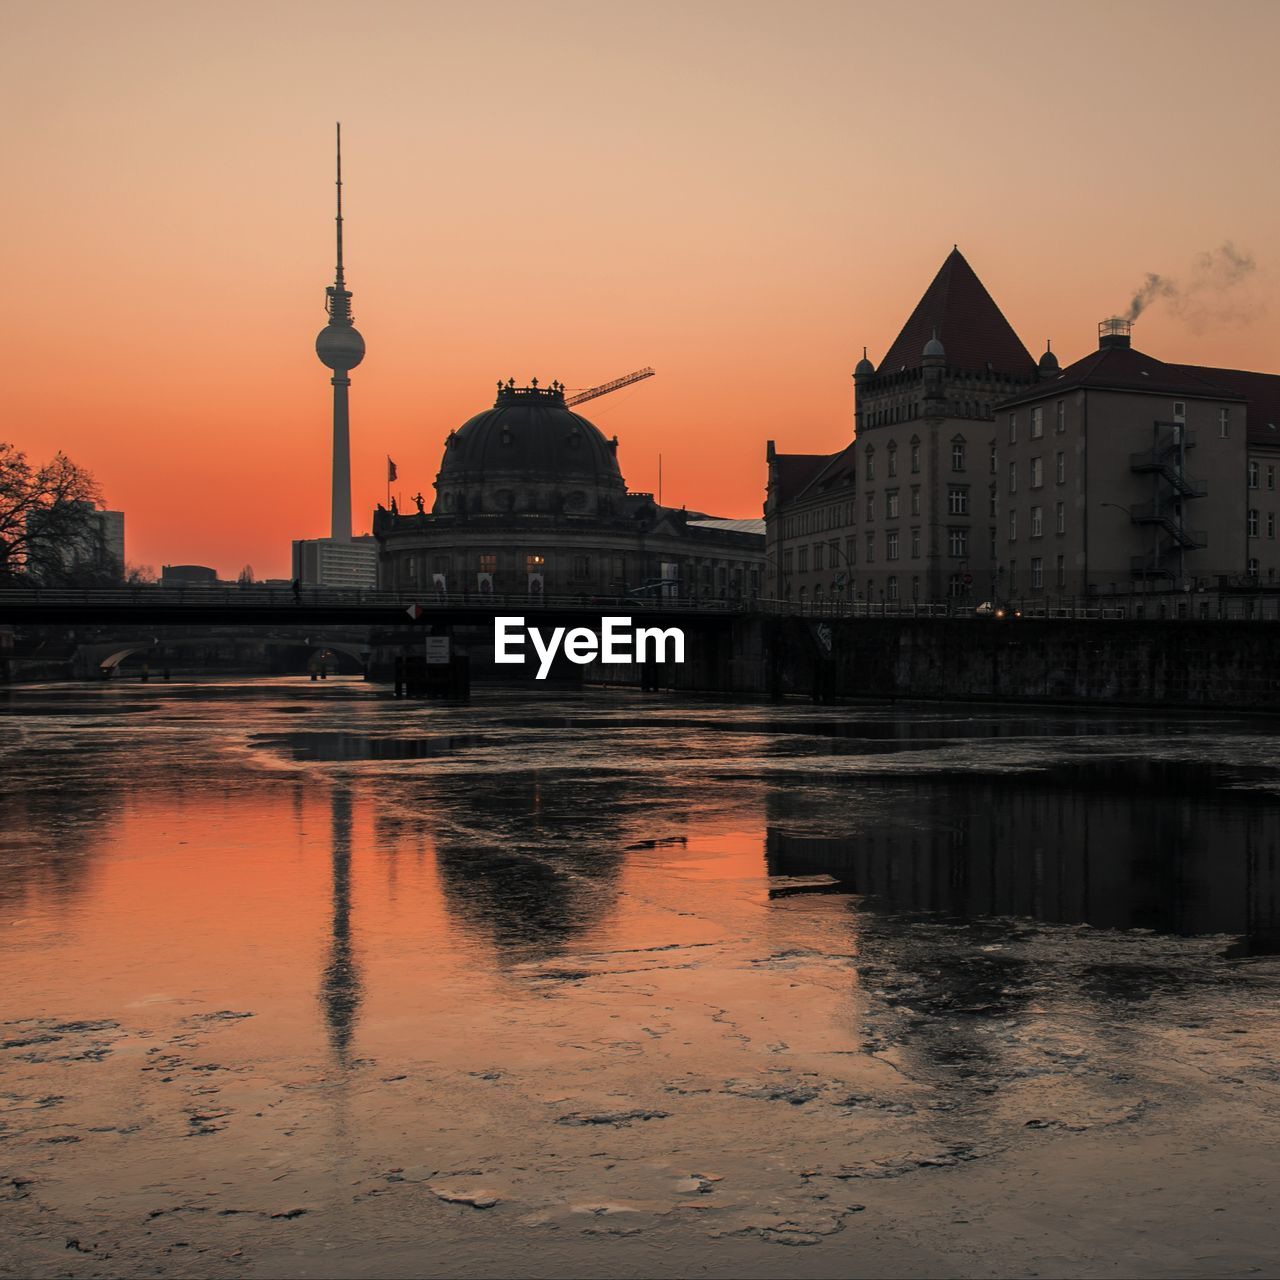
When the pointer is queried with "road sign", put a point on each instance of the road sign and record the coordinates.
(437, 651)
(415, 611)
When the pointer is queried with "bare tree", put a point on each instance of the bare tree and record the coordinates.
(43, 512)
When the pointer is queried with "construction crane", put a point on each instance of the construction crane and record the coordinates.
(578, 397)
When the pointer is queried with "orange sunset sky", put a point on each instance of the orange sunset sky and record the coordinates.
(739, 194)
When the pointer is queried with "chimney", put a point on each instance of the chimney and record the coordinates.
(1113, 333)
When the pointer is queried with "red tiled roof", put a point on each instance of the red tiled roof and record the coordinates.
(968, 323)
(795, 470)
(1262, 391)
(1127, 369)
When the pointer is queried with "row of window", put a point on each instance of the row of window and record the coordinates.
(1035, 525)
(1255, 522)
(1035, 471)
(1256, 472)
(1037, 422)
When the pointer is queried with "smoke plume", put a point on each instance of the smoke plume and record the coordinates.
(1214, 291)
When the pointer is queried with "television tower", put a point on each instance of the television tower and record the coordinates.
(340, 347)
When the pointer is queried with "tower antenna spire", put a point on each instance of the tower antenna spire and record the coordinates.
(338, 280)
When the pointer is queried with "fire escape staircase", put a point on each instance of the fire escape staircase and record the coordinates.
(1173, 487)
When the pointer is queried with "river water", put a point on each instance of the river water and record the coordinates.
(301, 980)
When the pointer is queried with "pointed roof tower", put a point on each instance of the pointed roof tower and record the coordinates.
(958, 311)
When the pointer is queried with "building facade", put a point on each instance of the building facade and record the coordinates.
(1127, 473)
(336, 562)
(976, 473)
(905, 513)
(530, 501)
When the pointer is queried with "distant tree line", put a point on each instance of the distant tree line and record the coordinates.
(51, 533)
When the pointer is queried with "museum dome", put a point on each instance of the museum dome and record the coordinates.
(530, 452)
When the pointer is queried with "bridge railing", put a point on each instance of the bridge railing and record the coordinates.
(1171, 606)
(220, 597)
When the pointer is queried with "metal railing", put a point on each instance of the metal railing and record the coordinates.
(1247, 601)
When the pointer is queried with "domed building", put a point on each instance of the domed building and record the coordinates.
(530, 500)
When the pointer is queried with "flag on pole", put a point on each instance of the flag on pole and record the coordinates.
(391, 469)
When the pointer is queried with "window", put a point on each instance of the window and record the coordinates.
(1037, 423)
(1013, 526)
(1062, 571)
(581, 567)
(892, 586)
(1061, 425)
(1253, 523)
(1271, 524)
(958, 543)
(1253, 568)
(915, 544)
(1037, 472)
(871, 548)
(891, 545)
(957, 500)
(1253, 474)
(1013, 477)
(871, 506)
(489, 563)
(915, 457)
(802, 560)
(992, 502)
(1013, 428)
(915, 500)
(1224, 426)
(1037, 573)
(817, 555)
(1271, 476)
(893, 459)
(1179, 411)
(1062, 517)
(851, 550)
(955, 586)
(891, 504)
(871, 463)
(1037, 523)
(915, 589)
(994, 463)
(788, 561)
(957, 455)
(1060, 468)
(534, 563)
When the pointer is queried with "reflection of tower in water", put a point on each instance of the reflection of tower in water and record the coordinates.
(340, 986)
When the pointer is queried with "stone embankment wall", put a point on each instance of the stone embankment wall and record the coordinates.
(1168, 663)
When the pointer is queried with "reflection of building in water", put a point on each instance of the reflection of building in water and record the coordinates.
(530, 863)
(1115, 844)
(340, 986)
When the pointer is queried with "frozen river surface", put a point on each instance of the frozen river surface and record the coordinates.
(302, 981)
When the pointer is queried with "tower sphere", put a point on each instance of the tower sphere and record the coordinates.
(340, 346)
